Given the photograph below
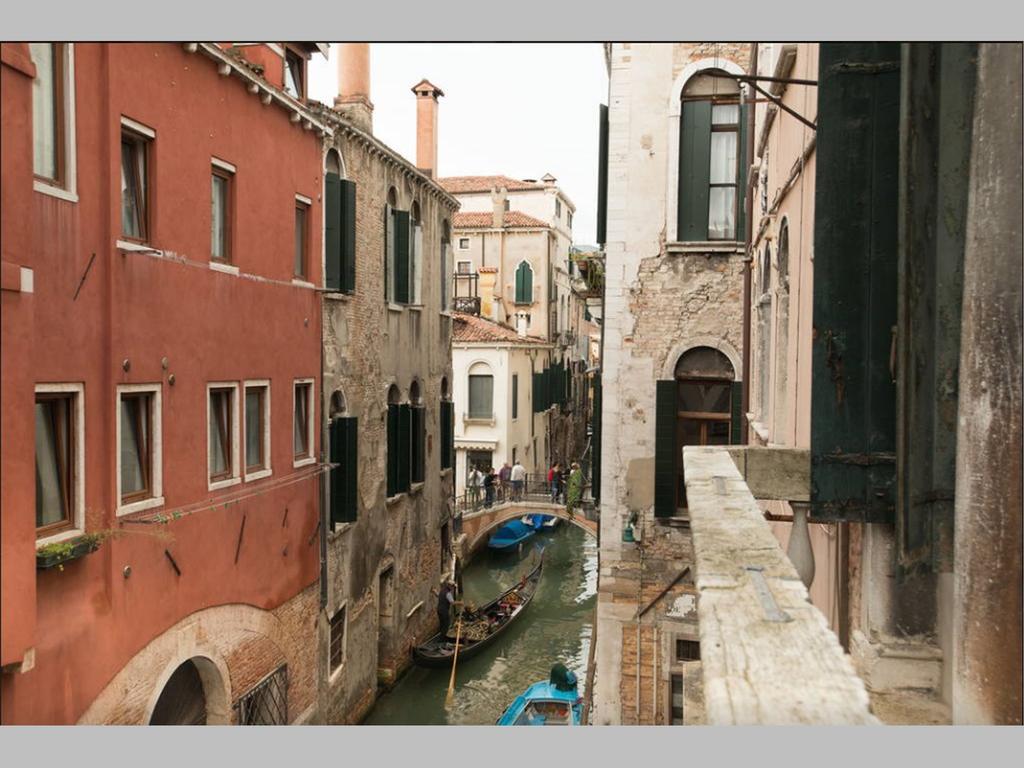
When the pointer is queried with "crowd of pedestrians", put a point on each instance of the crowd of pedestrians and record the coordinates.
(484, 484)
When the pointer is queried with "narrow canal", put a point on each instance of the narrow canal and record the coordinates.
(556, 626)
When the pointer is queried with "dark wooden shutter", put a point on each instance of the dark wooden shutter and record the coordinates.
(515, 396)
(741, 175)
(348, 236)
(402, 252)
(853, 397)
(536, 395)
(736, 410)
(404, 446)
(602, 175)
(388, 224)
(344, 477)
(524, 284)
(447, 434)
(665, 458)
(419, 442)
(332, 231)
(694, 171)
(392, 480)
(595, 441)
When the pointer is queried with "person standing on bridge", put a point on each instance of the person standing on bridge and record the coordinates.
(490, 480)
(518, 476)
(575, 490)
(505, 476)
(555, 481)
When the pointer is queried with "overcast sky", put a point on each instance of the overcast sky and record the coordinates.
(519, 110)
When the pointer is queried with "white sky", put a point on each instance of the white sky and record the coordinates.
(522, 110)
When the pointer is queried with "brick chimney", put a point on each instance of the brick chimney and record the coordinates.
(426, 126)
(353, 99)
(488, 279)
(498, 197)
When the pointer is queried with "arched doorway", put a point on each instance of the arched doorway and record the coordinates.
(704, 404)
(183, 699)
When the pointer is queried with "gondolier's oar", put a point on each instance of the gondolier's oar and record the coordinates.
(455, 660)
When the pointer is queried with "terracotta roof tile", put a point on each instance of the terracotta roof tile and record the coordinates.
(473, 220)
(459, 184)
(473, 328)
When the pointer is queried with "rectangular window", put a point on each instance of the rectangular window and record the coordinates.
(220, 221)
(139, 448)
(134, 186)
(687, 650)
(337, 646)
(302, 421)
(677, 699)
(222, 435)
(48, 111)
(568, 218)
(558, 208)
(465, 267)
(257, 430)
(723, 171)
(56, 452)
(481, 397)
(463, 243)
(294, 74)
(515, 395)
(301, 216)
(344, 474)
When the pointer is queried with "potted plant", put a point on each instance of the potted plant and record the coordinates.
(59, 552)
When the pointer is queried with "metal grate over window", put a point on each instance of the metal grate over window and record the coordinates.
(267, 703)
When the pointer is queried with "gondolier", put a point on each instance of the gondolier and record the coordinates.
(445, 601)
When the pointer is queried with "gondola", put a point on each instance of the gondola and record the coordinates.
(510, 535)
(480, 628)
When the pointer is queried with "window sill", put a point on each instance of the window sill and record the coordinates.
(392, 307)
(53, 538)
(392, 500)
(128, 245)
(216, 485)
(259, 474)
(139, 506)
(415, 307)
(338, 296)
(416, 487)
(228, 269)
(481, 421)
(302, 283)
(303, 462)
(54, 191)
(706, 246)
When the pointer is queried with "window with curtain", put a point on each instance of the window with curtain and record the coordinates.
(711, 158)
(55, 451)
(48, 111)
(220, 429)
(255, 428)
(301, 213)
(301, 444)
(136, 449)
(134, 213)
(220, 228)
(481, 396)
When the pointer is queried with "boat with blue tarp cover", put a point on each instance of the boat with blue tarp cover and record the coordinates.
(510, 535)
(555, 701)
(541, 522)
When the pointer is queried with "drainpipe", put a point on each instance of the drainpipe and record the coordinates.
(748, 259)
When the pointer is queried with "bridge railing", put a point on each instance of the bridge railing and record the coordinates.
(536, 488)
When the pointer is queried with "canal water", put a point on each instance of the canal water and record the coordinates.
(556, 626)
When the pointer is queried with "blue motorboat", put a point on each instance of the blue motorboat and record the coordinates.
(555, 701)
(510, 535)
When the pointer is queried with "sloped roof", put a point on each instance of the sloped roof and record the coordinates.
(459, 184)
(469, 328)
(473, 220)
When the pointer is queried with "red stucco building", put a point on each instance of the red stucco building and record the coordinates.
(161, 357)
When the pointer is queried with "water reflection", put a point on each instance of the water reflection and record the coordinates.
(557, 626)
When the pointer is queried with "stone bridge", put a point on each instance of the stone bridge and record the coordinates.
(478, 524)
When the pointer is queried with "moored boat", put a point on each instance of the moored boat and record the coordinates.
(554, 701)
(481, 627)
(510, 535)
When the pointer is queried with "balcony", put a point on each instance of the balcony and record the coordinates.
(769, 657)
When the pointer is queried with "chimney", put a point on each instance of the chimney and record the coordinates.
(426, 126)
(522, 323)
(353, 99)
(488, 279)
(498, 198)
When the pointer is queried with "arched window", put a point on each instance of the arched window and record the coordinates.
(417, 433)
(343, 455)
(415, 255)
(710, 158)
(524, 283)
(780, 408)
(339, 227)
(764, 336)
(396, 446)
(481, 392)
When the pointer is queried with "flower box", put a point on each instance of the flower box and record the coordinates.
(56, 554)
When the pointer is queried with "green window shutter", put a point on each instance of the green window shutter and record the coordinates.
(402, 251)
(388, 224)
(450, 442)
(853, 398)
(344, 477)
(524, 284)
(447, 434)
(535, 390)
(404, 446)
(602, 175)
(393, 450)
(348, 236)
(332, 231)
(419, 442)
(736, 436)
(595, 441)
(515, 396)
(694, 171)
(665, 450)
(741, 176)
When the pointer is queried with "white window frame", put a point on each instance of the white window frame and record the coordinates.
(333, 674)
(156, 439)
(466, 247)
(464, 261)
(311, 435)
(70, 191)
(235, 478)
(267, 470)
(78, 503)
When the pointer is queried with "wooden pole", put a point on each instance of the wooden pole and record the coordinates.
(455, 660)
